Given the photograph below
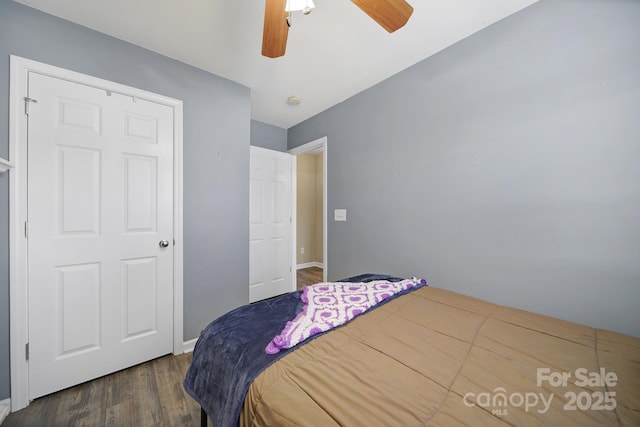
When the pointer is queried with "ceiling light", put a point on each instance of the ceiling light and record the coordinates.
(299, 5)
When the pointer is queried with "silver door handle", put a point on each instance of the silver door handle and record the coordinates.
(164, 243)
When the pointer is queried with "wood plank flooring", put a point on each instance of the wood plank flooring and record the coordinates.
(309, 276)
(146, 395)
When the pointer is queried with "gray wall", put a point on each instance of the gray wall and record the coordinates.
(505, 167)
(268, 136)
(216, 156)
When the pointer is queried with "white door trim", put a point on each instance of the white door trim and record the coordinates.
(20, 68)
(320, 143)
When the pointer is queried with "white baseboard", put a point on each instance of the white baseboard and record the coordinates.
(5, 409)
(188, 346)
(310, 264)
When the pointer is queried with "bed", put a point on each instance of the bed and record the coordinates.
(422, 356)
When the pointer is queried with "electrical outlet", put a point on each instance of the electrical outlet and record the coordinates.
(302, 250)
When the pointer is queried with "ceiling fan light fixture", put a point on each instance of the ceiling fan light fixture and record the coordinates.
(389, 14)
(299, 5)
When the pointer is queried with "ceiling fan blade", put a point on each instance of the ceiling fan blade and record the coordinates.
(390, 14)
(275, 30)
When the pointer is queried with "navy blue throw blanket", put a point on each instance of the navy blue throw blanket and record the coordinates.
(230, 352)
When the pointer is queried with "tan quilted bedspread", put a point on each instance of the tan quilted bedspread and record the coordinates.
(438, 358)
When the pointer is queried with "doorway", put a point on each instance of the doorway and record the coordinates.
(311, 210)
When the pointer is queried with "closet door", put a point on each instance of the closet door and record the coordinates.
(100, 232)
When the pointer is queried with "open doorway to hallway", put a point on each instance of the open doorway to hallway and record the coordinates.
(311, 212)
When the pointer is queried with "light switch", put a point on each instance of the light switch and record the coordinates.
(340, 215)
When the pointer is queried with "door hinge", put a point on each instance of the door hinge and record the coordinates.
(26, 229)
(27, 101)
(26, 351)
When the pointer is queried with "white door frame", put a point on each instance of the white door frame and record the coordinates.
(19, 315)
(320, 143)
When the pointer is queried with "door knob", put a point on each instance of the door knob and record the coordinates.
(164, 243)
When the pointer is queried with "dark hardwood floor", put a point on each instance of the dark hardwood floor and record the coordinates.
(146, 395)
(150, 394)
(309, 276)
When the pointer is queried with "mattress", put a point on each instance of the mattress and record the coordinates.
(435, 357)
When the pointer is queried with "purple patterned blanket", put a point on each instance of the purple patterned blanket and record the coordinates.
(328, 305)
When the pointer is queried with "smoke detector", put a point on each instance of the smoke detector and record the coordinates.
(294, 100)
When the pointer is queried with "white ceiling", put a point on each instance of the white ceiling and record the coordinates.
(332, 54)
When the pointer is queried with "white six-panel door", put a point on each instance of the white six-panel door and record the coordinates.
(270, 256)
(100, 201)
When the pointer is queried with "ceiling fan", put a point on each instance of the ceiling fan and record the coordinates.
(390, 14)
